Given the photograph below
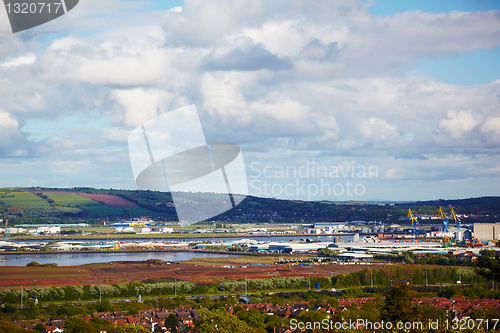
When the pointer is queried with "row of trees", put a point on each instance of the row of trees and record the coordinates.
(419, 275)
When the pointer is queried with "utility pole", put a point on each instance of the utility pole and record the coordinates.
(21, 295)
(175, 287)
(100, 292)
(426, 280)
(309, 281)
(246, 286)
(371, 276)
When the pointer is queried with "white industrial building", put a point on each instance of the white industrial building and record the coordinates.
(45, 230)
(487, 231)
(386, 247)
(354, 256)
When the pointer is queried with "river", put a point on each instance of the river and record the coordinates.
(82, 258)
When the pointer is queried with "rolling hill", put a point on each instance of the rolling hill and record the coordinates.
(47, 205)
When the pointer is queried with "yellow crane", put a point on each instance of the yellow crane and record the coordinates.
(445, 219)
(414, 222)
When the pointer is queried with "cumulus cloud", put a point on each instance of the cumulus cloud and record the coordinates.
(19, 61)
(140, 105)
(7, 124)
(458, 124)
(282, 78)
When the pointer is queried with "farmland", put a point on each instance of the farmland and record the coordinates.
(23, 199)
(68, 199)
(109, 199)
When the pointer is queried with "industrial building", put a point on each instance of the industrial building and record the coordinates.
(386, 247)
(288, 247)
(487, 231)
(354, 256)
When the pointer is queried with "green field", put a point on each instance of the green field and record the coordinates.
(70, 199)
(24, 199)
(102, 210)
(72, 210)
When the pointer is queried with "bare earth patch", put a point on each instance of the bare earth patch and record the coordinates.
(109, 199)
(133, 271)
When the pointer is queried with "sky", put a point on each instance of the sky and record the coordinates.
(328, 100)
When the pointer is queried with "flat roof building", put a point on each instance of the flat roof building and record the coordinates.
(487, 231)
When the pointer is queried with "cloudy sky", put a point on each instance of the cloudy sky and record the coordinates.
(338, 100)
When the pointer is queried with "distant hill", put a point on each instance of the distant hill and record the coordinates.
(50, 205)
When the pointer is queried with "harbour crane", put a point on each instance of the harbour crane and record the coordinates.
(457, 220)
(445, 219)
(6, 233)
(457, 223)
(414, 222)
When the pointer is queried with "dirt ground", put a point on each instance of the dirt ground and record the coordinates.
(206, 270)
(109, 200)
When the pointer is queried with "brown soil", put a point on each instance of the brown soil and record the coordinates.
(133, 271)
(109, 199)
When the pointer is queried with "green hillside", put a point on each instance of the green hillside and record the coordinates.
(22, 199)
(33, 205)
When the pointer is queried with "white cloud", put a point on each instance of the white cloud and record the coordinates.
(491, 125)
(140, 105)
(19, 61)
(286, 79)
(459, 123)
(7, 122)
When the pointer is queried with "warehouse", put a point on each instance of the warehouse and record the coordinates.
(354, 257)
(487, 231)
(295, 247)
(387, 247)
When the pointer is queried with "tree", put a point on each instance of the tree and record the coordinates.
(399, 303)
(220, 321)
(488, 265)
(171, 323)
(77, 325)
(325, 253)
(6, 326)
(133, 329)
(32, 309)
(39, 328)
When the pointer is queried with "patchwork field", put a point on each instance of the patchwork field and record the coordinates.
(69, 199)
(23, 199)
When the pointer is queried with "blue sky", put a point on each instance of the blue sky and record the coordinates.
(391, 7)
(405, 89)
(481, 66)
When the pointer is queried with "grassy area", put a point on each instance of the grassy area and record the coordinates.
(72, 210)
(24, 199)
(102, 210)
(70, 199)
